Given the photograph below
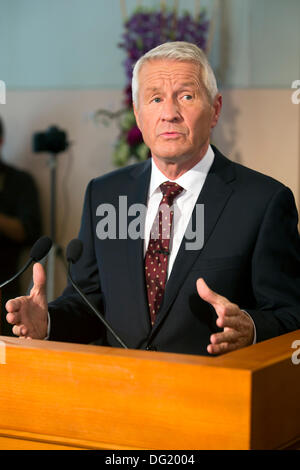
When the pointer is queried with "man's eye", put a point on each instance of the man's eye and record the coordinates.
(187, 97)
(156, 100)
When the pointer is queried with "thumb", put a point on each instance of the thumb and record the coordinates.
(208, 294)
(39, 278)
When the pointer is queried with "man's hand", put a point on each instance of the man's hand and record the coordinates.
(238, 326)
(29, 314)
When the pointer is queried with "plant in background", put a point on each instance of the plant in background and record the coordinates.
(144, 30)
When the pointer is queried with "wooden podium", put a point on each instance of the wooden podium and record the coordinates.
(66, 396)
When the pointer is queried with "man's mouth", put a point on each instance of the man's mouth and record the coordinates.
(171, 134)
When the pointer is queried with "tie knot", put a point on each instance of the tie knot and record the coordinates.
(170, 191)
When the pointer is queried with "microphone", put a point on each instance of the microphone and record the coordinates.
(73, 253)
(39, 250)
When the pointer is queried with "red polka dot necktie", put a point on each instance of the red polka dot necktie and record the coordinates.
(156, 259)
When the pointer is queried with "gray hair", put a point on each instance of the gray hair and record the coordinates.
(183, 52)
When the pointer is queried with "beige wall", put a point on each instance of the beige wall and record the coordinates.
(261, 129)
(258, 128)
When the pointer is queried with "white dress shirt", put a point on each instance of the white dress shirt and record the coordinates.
(192, 182)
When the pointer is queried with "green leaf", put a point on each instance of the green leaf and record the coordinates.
(142, 151)
(121, 154)
(127, 120)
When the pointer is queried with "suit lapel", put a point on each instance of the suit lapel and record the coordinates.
(214, 196)
(138, 195)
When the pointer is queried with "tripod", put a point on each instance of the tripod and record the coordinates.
(56, 250)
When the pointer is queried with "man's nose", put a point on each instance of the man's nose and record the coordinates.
(170, 111)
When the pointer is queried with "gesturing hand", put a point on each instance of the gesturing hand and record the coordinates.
(238, 326)
(29, 314)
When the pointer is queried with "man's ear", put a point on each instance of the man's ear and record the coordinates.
(136, 114)
(217, 106)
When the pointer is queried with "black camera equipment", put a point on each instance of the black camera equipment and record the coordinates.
(53, 140)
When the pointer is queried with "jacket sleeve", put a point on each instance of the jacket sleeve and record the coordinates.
(71, 319)
(276, 269)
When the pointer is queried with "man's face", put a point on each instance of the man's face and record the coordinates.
(173, 111)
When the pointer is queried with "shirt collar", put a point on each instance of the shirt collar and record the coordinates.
(190, 180)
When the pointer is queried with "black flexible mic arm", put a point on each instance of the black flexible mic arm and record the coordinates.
(39, 250)
(86, 300)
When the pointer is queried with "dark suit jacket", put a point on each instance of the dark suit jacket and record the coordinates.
(250, 255)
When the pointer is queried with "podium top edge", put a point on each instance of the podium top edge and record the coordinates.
(251, 358)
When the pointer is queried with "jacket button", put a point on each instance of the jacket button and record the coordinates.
(151, 348)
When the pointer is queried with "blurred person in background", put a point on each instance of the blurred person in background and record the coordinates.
(20, 225)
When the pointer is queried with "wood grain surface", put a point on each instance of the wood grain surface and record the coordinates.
(59, 395)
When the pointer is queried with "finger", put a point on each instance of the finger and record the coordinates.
(226, 310)
(13, 318)
(221, 348)
(13, 305)
(221, 305)
(23, 330)
(209, 295)
(17, 330)
(229, 336)
(229, 321)
(20, 330)
(39, 278)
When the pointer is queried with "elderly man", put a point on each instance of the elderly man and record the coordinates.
(158, 292)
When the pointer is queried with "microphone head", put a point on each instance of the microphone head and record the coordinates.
(41, 248)
(74, 250)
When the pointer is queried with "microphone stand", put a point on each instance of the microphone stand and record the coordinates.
(18, 273)
(56, 250)
(86, 300)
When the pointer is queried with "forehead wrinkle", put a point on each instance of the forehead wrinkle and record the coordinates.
(158, 82)
(172, 75)
(162, 67)
(155, 76)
